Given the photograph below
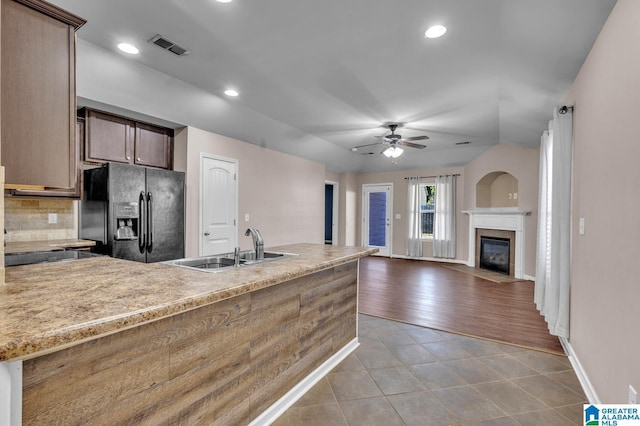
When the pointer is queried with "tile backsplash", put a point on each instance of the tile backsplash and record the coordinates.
(28, 219)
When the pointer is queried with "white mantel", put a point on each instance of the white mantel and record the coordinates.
(506, 219)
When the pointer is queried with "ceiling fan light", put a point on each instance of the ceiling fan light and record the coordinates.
(435, 31)
(393, 152)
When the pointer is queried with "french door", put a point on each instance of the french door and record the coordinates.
(377, 207)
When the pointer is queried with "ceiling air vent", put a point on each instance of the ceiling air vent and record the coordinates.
(162, 42)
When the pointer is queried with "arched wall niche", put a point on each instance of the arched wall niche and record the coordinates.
(497, 189)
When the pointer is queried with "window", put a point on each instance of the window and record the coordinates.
(427, 208)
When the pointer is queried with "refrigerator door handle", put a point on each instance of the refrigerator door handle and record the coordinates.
(142, 226)
(149, 222)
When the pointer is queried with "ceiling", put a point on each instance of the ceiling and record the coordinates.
(328, 74)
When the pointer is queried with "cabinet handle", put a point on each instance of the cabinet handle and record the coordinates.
(128, 157)
(138, 159)
(206, 234)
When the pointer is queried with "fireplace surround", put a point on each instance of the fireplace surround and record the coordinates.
(486, 222)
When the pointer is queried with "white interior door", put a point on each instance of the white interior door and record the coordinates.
(218, 205)
(377, 202)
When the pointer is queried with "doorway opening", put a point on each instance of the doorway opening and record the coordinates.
(331, 212)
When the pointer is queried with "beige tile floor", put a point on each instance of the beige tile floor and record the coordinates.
(408, 375)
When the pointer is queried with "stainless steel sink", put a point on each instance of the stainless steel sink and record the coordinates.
(208, 262)
(223, 262)
(30, 258)
(250, 255)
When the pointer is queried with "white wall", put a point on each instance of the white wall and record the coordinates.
(399, 238)
(523, 164)
(605, 292)
(283, 194)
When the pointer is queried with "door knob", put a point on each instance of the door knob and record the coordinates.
(206, 234)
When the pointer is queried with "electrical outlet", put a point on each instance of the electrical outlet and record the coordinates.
(246, 217)
(633, 395)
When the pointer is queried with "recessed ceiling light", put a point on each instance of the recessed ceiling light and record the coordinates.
(231, 92)
(224, 1)
(435, 31)
(128, 48)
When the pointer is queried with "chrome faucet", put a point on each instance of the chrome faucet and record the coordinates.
(236, 257)
(258, 242)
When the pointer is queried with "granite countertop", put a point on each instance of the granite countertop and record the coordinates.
(46, 245)
(46, 307)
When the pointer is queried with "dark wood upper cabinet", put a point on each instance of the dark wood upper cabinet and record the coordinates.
(38, 95)
(110, 137)
(154, 146)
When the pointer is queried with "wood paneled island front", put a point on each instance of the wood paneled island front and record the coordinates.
(108, 341)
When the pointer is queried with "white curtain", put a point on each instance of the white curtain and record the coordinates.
(414, 231)
(552, 288)
(444, 228)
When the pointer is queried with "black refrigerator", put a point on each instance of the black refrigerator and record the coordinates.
(133, 212)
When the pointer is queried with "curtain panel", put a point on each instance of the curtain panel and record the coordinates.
(553, 257)
(414, 226)
(444, 229)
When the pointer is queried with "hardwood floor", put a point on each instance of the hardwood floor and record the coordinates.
(431, 295)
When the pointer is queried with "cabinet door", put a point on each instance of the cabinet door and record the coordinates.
(153, 146)
(108, 137)
(38, 98)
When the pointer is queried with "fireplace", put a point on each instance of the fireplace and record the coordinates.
(492, 222)
(495, 254)
(498, 240)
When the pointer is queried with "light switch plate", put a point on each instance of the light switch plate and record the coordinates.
(53, 218)
(398, 216)
(246, 217)
(581, 226)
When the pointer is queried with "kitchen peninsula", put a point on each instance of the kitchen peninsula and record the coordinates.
(104, 340)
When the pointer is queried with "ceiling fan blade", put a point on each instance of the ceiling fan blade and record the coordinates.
(416, 138)
(369, 144)
(412, 145)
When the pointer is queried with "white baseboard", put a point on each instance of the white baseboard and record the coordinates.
(529, 277)
(431, 259)
(278, 408)
(587, 387)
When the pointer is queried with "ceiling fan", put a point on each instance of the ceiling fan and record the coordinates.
(392, 142)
